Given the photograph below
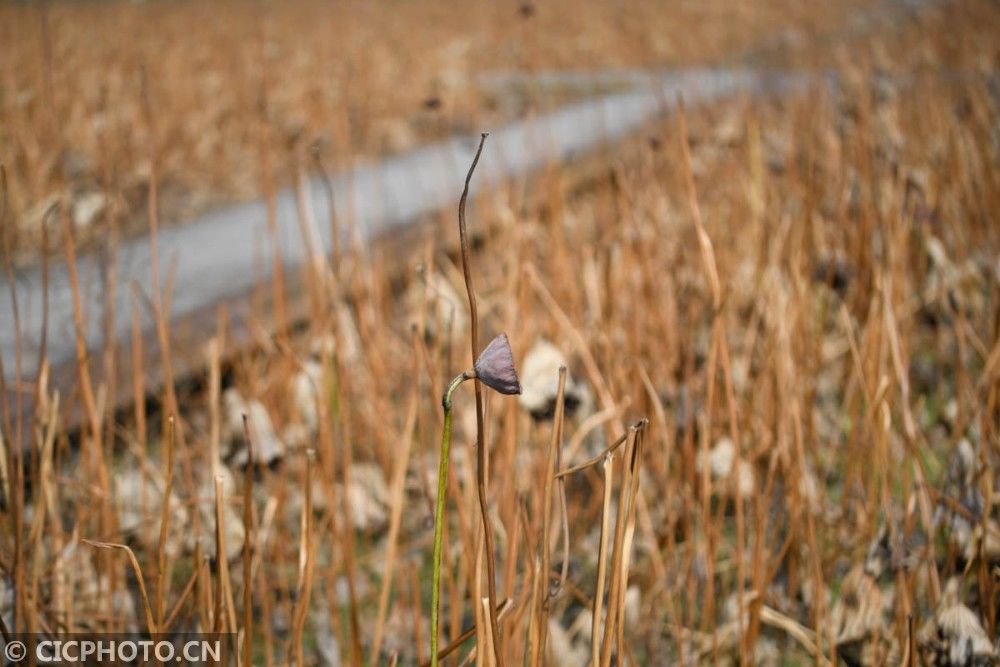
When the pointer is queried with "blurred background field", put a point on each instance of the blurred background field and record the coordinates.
(799, 291)
(228, 81)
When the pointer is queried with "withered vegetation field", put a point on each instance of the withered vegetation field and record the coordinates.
(789, 307)
(231, 98)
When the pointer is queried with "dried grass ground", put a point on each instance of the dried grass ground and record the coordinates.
(817, 479)
(239, 91)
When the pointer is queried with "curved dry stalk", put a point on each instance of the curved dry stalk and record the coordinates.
(597, 459)
(480, 439)
(147, 609)
(803, 635)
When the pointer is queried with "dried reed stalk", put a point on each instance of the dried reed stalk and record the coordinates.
(151, 624)
(162, 581)
(248, 540)
(481, 445)
(307, 546)
(540, 612)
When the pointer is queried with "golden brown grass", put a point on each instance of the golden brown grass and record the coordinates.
(238, 87)
(801, 295)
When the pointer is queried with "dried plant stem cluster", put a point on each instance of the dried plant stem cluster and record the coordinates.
(71, 96)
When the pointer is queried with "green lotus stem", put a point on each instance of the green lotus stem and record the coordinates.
(439, 511)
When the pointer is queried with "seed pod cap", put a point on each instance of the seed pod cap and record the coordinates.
(495, 367)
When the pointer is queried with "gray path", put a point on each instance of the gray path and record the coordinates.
(219, 255)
